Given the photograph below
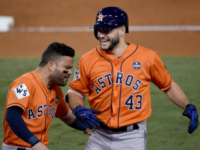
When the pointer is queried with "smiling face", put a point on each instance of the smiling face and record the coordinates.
(108, 38)
(62, 70)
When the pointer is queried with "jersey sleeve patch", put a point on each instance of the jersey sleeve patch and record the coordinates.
(76, 74)
(21, 91)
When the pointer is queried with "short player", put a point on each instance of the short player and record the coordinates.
(116, 78)
(35, 98)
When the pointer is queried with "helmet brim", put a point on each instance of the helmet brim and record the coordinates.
(104, 26)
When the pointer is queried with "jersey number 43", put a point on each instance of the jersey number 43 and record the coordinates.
(130, 102)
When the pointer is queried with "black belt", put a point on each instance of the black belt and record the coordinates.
(21, 148)
(122, 129)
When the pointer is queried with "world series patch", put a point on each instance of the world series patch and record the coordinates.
(21, 91)
(57, 99)
(136, 65)
(76, 74)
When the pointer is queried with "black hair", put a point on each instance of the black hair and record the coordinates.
(54, 51)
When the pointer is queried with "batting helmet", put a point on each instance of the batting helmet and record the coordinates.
(110, 18)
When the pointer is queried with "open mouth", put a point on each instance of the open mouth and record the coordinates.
(105, 42)
(66, 77)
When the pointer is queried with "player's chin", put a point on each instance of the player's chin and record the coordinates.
(64, 82)
(105, 47)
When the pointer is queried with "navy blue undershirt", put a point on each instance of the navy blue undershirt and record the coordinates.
(18, 126)
(77, 124)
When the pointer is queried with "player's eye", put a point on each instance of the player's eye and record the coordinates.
(68, 67)
(104, 31)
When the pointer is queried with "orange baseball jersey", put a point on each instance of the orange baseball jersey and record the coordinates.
(39, 106)
(120, 88)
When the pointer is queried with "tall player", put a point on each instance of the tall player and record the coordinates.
(35, 98)
(116, 78)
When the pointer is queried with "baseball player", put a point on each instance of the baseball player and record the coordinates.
(35, 98)
(116, 78)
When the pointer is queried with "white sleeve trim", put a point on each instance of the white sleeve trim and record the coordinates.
(79, 94)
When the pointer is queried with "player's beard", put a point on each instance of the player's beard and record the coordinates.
(113, 43)
(57, 78)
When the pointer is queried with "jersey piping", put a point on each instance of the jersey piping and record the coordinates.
(61, 115)
(78, 90)
(112, 85)
(17, 104)
(121, 84)
(167, 85)
(46, 110)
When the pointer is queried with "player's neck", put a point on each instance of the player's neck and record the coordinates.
(119, 49)
(44, 77)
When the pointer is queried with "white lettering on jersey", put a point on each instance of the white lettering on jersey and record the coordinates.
(21, 91)
(39, 113)
(76, 74)
(120, 78)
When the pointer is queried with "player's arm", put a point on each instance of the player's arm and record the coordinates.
(19, 127)
(75, 99)
(77, 102)
(178, 97)
(71, 120)
(162, 79)
(79, 87)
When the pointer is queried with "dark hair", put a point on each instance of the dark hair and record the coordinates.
(54, 51)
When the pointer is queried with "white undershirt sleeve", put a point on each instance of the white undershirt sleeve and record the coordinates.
(79, 94)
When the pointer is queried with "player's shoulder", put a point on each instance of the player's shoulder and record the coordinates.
(23, 79)
(146, 51)
(90, 57)
(90, 53)
(25, 76)
(28, 75)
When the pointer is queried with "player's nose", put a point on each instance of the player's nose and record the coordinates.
(69, 71)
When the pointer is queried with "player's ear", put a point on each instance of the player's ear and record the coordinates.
(51, 66)
(122, 30)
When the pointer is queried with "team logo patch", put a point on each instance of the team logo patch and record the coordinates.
(136, 65)
(100, 17)
(57, 99)
(21, 91)
(76, 74)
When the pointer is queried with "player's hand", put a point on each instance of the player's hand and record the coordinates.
(191, 113)
(39, 146)
(87, 116)
(87, 131)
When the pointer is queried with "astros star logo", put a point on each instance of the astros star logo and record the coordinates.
(100, 17)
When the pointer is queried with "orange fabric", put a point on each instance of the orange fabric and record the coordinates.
(122, 92)
(39, 107)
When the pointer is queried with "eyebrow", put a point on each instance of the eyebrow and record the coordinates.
(68, 66)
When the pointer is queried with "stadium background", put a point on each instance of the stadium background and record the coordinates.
(20, 52)
(63, 13)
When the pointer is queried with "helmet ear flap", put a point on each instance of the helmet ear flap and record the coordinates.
(127, 30)
(126, 22)
(95, 33)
